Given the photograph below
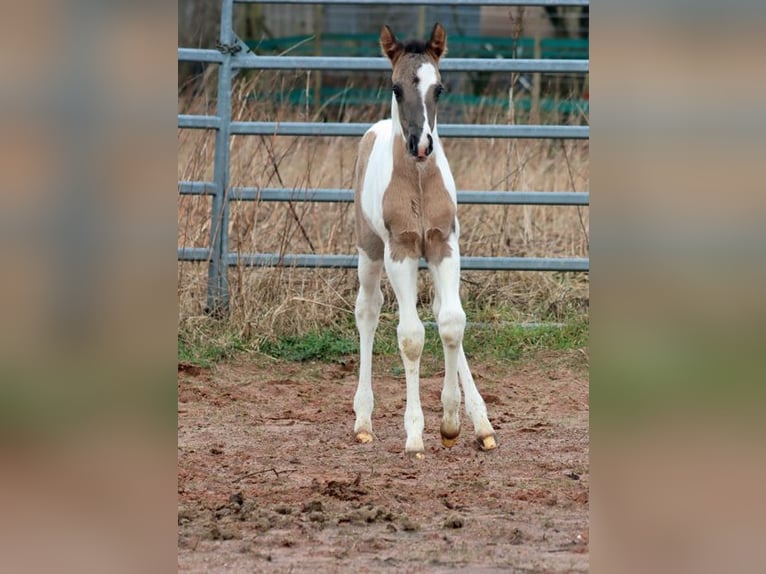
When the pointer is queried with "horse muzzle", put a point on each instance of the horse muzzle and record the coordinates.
(418, 149)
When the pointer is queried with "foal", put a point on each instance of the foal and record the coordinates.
(406, 208)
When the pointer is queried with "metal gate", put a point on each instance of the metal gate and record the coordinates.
(232, 54)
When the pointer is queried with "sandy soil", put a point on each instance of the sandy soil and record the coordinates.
(271, 480)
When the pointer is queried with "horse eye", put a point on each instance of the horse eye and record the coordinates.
(438, 91)
(398, 92)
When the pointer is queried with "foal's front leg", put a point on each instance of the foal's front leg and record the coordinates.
(403, 276)
(367, 312)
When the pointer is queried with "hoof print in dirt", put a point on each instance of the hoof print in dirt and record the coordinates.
(313, 506)
(453, 521)
(185, 516)
(318, 517)
(249, 510)
(262, 523)
(217, 532)
(188, 542)
(343, 490)
(367, 515)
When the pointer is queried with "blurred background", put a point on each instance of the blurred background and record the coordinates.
(91, 219)
(347, 30)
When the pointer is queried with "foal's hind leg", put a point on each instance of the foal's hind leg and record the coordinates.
(474, 405)
(450, 317)
(368, 303)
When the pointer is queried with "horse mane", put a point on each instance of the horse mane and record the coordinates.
(415, 47)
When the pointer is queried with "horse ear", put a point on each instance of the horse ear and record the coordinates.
(391, 47)
(437, 45)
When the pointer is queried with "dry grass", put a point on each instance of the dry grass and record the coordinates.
(272, 302)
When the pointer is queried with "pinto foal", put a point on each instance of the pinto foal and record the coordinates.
(405, 204)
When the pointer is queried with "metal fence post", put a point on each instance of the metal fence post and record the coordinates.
(218, 280)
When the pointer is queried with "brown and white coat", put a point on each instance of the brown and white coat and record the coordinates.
(405, 203)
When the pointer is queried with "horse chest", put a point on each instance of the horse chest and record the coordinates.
(418, 210)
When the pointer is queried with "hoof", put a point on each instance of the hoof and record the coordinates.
(416, 455)
(449, 442)
(449, 438)
(363, 437)
(488, 443)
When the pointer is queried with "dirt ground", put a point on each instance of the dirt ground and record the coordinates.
(271, 480)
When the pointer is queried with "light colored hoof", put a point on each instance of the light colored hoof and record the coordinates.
(449, 437)
(417, 455)
(488, 443)
(449, 442)
(363, 437)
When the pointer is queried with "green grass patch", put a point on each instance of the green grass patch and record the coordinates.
(313, 346)
(512, 341)
(505, 341)
(206, 351)
(498, 339)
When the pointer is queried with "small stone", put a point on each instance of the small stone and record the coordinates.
(453, 521)
(408, 525)
(229, 533)
(517, 536)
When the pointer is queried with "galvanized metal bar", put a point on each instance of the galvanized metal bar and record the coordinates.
(199, 55)
(463, 197)
(426, 2)
(514, 131)
(523, 197)
(524, 264)
(196, 188)
(199, 122)
(382, 64)
(446, 130)
(194, 254)
(218, 280)
(575, 264)
(286, 194)
(350, 261)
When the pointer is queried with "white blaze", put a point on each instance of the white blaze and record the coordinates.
(426, 78)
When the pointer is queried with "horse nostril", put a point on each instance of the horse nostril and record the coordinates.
(430, 145)
(412, 145)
